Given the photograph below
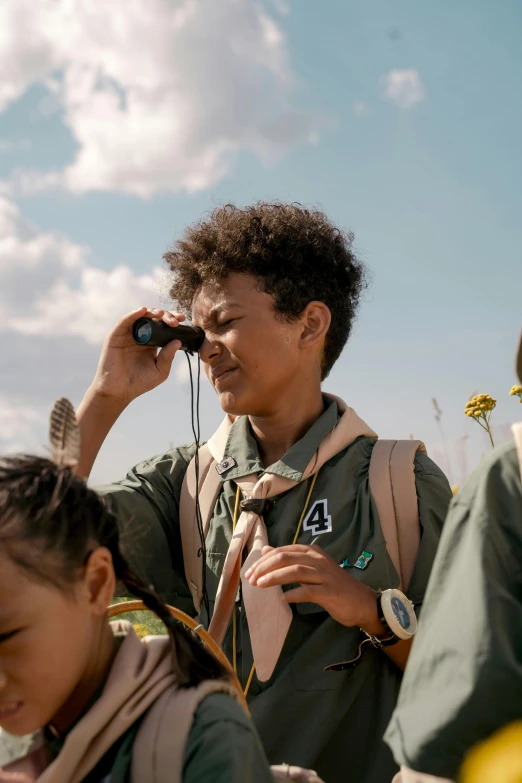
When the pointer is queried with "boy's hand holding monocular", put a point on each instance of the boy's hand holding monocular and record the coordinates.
(130, 367)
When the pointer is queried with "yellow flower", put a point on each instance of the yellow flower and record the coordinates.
(497, 759)
(140, 629)
(480, 408)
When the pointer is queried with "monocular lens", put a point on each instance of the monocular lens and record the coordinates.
(143, 332)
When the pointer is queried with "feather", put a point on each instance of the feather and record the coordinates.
(64, 434)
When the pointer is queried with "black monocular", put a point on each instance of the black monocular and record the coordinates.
(156, 334)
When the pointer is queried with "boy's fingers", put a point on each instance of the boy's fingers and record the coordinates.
(268, 552)
(128, 319)
(298, 572)
(172, 318)
(166, 356)
(281, 561)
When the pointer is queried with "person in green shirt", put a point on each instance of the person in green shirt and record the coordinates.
(83, 687)
(464, 678)
(275, 288)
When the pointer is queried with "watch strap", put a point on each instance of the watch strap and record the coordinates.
(391, 637)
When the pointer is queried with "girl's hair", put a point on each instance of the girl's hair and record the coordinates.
(50, 523)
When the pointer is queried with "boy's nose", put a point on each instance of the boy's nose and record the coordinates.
(209, 350)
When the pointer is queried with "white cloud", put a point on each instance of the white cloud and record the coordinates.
(22, 426)
(48, 287)
(159, 95)
(403, 88)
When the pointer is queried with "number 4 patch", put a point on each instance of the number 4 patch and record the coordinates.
(318, 520)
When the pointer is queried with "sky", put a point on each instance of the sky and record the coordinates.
(123, 122)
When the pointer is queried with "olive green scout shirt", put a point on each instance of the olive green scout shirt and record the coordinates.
(222, 747)
(464, 677)
(332, 722)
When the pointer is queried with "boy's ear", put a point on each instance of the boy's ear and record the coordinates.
(316, 319)
(99, 581)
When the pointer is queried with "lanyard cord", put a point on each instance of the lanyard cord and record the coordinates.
(234, 620)
(196, 430)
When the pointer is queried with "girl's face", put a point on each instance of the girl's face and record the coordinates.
(47, 639)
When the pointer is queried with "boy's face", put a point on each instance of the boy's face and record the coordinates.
(45, 640)
(252, 358)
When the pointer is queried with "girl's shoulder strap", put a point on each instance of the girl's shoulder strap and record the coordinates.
(159, 747)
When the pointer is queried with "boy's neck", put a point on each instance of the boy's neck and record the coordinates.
(276, 433)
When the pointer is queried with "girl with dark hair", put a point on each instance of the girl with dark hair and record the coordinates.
(104, 705)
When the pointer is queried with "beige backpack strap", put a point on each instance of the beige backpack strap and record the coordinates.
(209, 489)
(392, 486)
(516, 429)
(159, 748)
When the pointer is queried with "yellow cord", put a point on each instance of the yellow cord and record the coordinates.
(250, 678)
(299, 526)
(234, 624)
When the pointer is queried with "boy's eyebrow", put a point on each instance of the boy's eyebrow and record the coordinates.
(219, 308)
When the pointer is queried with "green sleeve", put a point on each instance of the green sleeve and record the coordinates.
(433, 497)
(463, 678)
(146, 503)
(223, 746)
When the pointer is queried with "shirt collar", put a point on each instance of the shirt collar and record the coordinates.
(242, 448)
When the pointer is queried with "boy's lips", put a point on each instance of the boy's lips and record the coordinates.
(220, 374)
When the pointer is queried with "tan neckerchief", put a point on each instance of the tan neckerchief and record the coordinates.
(268, 614)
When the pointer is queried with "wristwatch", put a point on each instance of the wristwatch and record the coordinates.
(397, 614)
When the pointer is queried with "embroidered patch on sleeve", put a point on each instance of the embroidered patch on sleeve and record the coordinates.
(318, 520)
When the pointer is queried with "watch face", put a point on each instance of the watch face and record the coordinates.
(399, 613)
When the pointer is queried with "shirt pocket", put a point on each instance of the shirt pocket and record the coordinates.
(322, 641)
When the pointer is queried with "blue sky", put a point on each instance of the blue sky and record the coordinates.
(401, 120)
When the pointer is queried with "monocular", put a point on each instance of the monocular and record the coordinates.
(155, 334)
